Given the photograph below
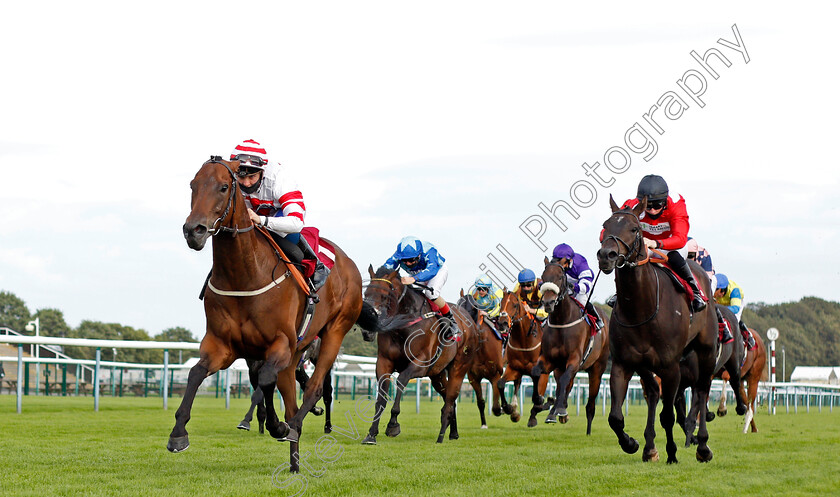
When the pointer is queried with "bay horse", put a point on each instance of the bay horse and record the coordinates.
(258, 399)
(652, 326)
(259, 324)
(566, 338)
(523, 352)
(410, 341)
(489, 360)
(753, 370)
(728, 359)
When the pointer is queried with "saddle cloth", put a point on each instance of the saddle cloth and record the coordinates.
(590, 319)
(680, 283)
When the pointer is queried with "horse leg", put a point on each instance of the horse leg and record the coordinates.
(752, 385)
(412, 371)
(479, 399)
(256, 397)
(286, 385)
(721, 410)
(221, 358)
(302, 378)
(514, 413)
(670, 384)
(619, 379)
(704, 383)
(447, 412)
(383, 383)
(537, 372)
(279, 357)
(652, 394)
(328, 398)
(497, 409)
(595, 375)
(508, 375)
(735, 383)
(561, 405)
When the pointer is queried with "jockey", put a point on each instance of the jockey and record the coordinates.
(527, 288)
(665, 226)
(701, 256)
(487, 298)
(424, 265)
(729, 294)
(578, 277)
(275, 202)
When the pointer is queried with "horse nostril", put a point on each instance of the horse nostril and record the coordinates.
(612, 255)
(200, 229)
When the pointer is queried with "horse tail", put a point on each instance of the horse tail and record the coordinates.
(368, 319)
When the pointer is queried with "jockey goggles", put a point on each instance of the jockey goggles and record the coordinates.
(656, 204)
(249, 164)
(411, 262)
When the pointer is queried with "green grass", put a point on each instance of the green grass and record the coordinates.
(59, 446)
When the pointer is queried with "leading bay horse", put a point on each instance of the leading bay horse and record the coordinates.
(411, 341)
(652, 327)
(254, 309)
(565, 345)
(753, 370)
(523, 352)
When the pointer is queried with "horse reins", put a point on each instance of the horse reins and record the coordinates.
(231, 205)
(511, 323)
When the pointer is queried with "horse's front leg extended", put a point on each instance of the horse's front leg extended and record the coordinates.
(178, 439)
(383, 384)
(619, 380)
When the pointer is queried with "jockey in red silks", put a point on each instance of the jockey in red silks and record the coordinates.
(665, 226)
(275, 202)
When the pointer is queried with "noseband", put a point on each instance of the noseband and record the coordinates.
(231, 205)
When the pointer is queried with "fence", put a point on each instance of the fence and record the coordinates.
(346, 383)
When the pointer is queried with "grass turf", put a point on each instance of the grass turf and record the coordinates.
(59, 446)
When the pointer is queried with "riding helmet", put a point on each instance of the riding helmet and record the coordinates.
(483, 281)
(526, 276)
(409, 248)
(653, 187)
(722, 281)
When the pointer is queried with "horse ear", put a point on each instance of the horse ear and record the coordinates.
(370, 270)
(462, 293)
(545, 261)
(613, 205)
(640, 207)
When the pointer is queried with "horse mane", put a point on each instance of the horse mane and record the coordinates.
(466, 303)
(410, 306)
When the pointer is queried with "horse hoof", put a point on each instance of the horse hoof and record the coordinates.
(651, 456)
(564, 418)
(327, 429)
(551, 419)
(631, 446)
(369, 440)
(453, 436)
(262, 430)
(497, 411)
(392, 430)
(317, 410)
(710, 416)
(704, 454)
(672, 460)
(483, 427)
(741, 410)
(244, 426)
(532, 422)
(721, 413)
(515, 417)
(280, 431)
(178, 444)
(440, 439)
(508, 409)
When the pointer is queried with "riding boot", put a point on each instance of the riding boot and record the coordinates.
(321, 271)
(680, 267)
(748, 337)
(451, 330)
(723, 329)
(611, 300)
(590, 309)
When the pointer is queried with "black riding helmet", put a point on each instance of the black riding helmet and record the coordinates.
(653, 187)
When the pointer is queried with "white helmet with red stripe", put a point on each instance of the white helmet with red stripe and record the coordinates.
(251, 155)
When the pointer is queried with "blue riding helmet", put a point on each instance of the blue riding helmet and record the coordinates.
(563, 251)
(409, 248)
(722, 281)
(526, 276)
(483, 281)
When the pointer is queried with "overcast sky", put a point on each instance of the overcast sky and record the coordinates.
(450, 121)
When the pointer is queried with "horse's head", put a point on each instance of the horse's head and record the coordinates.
(554, 287)
(621, 241)
(383, 293)
(511, 311)
(214, 191)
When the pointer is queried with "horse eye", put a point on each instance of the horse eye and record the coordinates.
(634, 230)
(224, 188)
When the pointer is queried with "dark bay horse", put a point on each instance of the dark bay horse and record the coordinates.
(651, 328)
(258, 399)
(523, 352)
(753, 370)
(565, 343)
(410, 341)
(489, 358)
(728, 359)
(254, 309)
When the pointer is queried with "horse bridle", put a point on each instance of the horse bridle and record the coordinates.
(633, 251)
(231, 205)
(564, 289)
(511, 320)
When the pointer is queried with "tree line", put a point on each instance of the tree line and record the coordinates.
(15, 314)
